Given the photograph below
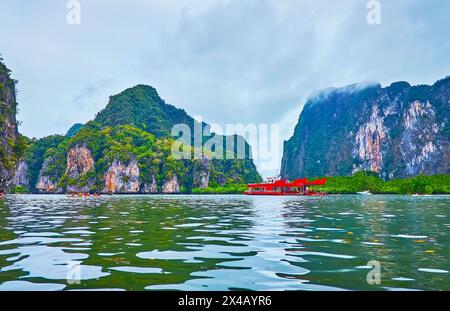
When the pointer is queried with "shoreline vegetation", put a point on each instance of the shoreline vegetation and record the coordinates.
(359, 182)
(369, 181)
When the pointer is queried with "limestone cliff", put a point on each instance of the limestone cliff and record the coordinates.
(21, 174)
(398, 131)
(47, 181)
(122, 177)
(9, 136)
(150, 187)
(79, 164)
(79, 161)
(202, 172)
(171, 186)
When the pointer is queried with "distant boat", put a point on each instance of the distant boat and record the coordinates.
(365, 193)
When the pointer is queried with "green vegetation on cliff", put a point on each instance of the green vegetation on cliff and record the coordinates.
(125, 143)
(74, 129)
(12, 144)
(38, 151)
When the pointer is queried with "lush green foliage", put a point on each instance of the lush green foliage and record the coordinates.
(226, 189)
(36, 154)
(19, 189)
(18, 148)
(437, 184)
(362, 181)
(74, 129)
(142, 108)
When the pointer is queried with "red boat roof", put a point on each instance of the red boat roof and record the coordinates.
(284, 183)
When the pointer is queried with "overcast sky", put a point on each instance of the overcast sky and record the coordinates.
(230, 61)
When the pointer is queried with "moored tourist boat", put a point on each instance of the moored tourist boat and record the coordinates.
(277, 186)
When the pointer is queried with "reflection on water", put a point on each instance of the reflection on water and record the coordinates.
(223, 242)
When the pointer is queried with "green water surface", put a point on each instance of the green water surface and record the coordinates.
(53, 242)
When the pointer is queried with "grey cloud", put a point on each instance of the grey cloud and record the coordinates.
(231, 61)
(90, 90)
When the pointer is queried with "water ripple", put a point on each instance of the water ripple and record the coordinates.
(222, 242)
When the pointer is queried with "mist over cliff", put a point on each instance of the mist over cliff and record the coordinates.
(397, 131)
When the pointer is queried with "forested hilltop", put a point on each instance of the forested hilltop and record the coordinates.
(127, 148)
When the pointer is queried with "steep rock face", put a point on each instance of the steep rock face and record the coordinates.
(79, 163)
(150, 187)
(202, 172)
(47, 182)
(369, 140)
(21, 174)
(418, 142)
(8, 127)
(398, 131)
(171, 186)
(122, 177)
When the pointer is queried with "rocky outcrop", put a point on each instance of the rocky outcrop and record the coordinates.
(81, 187)
(419, 144)
(369, 140)
(398, 131)
(171, 186)
(122, 177)
(8, 127)
(21, 174)
(202, 172)
(47, 185)
(79, 164)
(47, 181)
(79, 161)
(150, 187)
